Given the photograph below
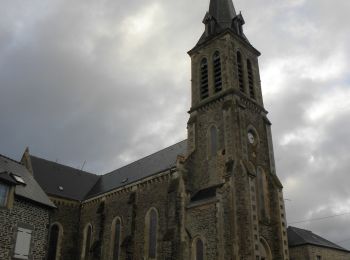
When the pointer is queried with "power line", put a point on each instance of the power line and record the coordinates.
(343, 241)
(317, 219)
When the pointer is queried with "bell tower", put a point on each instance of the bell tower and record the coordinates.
(229, 138)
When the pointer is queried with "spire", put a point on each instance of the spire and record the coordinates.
(221, 16)
(223, 11)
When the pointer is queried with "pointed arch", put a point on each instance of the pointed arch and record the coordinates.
(116, 238)
(198, 249)
(250, 79)
(204, 85)
(55, 240)
(240, 72)
(265, 251)
(217, 72)
(151, 234)
(87, 242)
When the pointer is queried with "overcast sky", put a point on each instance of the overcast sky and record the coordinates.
(108, 82)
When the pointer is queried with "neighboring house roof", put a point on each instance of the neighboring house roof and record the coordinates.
(299, 237)
(31, 189)
(61, 180)
(155, 163)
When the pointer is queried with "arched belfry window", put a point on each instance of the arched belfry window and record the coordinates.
(151, 234)
(217, 72)
(250, 79)
(213, 141)
(204, 87)
(54, 242)
(199, 250)
(116, 238)
(87, 242)
(240, 72)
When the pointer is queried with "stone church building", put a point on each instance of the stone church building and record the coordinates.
(214, 196)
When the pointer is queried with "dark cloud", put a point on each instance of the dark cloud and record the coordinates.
(109, 81)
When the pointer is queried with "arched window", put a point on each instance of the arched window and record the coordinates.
(87, 242)
(204, 88)
(250, 79)
(199, 250)
(240, 72)
(53, 242)
(217, 72)
(116, 238)
(213, 141)
(151, 234)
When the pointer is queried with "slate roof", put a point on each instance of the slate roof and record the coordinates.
(224, 14)
(31, 190)
(61, 180)
(299, 237)
(155, 163)
(223, 11)
(67, 182)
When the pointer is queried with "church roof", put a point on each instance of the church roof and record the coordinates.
(16, 174)
(67, 182)
(299, 237)
(155, 163)
(61, 180)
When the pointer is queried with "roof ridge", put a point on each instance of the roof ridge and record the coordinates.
(138, 160)
(13, 160)
(71, 167)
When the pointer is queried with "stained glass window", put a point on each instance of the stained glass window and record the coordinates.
(199, 250)
(152, 249)
(53, 242)
(117, 238)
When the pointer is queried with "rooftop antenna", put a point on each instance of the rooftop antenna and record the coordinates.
(82, 167)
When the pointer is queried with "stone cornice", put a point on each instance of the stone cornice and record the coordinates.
(245, 101)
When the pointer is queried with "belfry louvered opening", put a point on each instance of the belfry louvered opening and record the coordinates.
(250, 79)
(204, 88)
(217, 72)
(240, 72)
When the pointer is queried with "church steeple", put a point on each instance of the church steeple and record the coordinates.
(230, 152)
(223, 11)
(220, 17)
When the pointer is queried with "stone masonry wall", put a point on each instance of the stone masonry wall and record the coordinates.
(24, 214)
(131, 206)
(67, 215)
(307, 252)
(201, 221)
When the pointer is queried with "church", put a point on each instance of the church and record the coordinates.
(214, 196)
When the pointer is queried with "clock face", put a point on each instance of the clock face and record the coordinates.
(251, 138)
